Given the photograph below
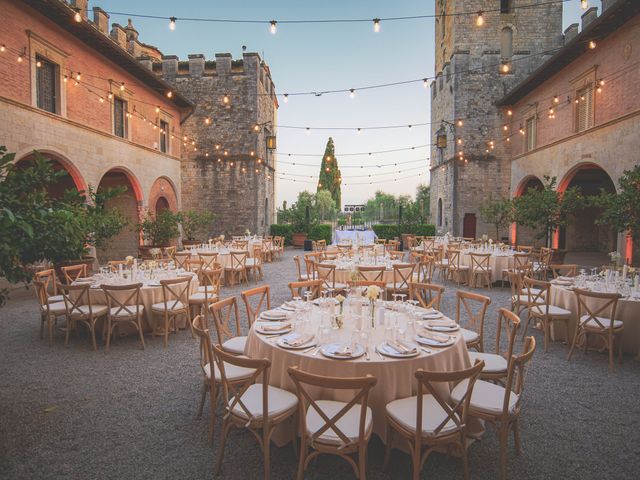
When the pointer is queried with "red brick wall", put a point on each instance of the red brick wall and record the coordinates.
(82, 106)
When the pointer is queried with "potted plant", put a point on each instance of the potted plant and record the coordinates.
(195, 224)
(158, 231)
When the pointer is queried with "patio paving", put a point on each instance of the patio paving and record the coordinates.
(76, 414)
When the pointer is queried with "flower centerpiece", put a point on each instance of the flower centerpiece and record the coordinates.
(373, 291)
(340, 300)
(615, 259)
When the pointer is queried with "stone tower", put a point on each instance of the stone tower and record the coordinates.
(475, 66)
(231, 173)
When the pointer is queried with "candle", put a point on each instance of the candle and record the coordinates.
(625, 271)
(636, 280)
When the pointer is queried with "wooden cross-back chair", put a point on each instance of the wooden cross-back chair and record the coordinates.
(209, 260)
(396, 255)
(237, 268)
(125, 306)
(496, 365)
(194, 265)
(301, 276)
(473, 307)
(538, 293)
(321, 245)
(298, 289)
(278, 243)
(254, 263)
(180, 259)
(541, 267)
(258, 407)
(596, 316)
(428, 295)
(480, 269)
(454, 269)
(79, 308)
(256, 300)
(424, 269)
(49, 311)
(564, 270)
(499, 405)
(226, 318)
(328, 426)
(240, 244)
(169, 251)
(49, 281)
(521, 263)
(525, 249)
(381, 241)
(114, 264)
(344, 249)
(74, 272)
(327, 273)
(175, 302)
(208, 291)
(439, 420)
(371, 273)
(402, 277)
(310, 266)
(267, 250)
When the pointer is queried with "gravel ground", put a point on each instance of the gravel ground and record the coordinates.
(77, 414)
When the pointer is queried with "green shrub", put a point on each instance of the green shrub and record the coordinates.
(282, 230)
(389, 232)
(320, 232)
(420, 229)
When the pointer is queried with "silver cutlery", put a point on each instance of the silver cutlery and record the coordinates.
(307, 350)
(317, 350)
(426, 350)
(366, 354)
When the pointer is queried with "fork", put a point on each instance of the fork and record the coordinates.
(366, 354)
(317, 350)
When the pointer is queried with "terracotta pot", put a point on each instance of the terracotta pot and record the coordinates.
(297, 239)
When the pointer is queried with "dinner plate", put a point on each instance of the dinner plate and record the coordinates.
(330, 350)
(317, 302)
(385, 349)
(265, 330)
(274, 315)
(432, 316)
(282, 341)
(154, 284)
(288, 308)
(441, 328)
(433, 343)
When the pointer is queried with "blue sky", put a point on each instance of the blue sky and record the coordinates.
(323, 57)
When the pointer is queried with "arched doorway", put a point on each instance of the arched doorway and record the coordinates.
(129, 203)
(163, 196)
(522, 235)
(162, 204)
(583, 234)
(71, 180)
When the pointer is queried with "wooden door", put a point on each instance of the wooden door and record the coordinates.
(469, 225)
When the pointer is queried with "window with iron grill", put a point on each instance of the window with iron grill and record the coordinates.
(46, 85)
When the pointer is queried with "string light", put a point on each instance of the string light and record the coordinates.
(77, 17)
(480, 19)
(256, 128)
(207, 121)
(505, 127)
(286, 97)
(225, 99)
(65, 79)
(169, 94)
(505, 68)
(584, 4)
(376, 25)
(172, 23)
(509, 112)
(101, 99)
(425, 83)
(359, 131)
(252, 153)
(78, 77)
(38, 64)
(460, 123)
(273, 28)
(592, 44)
(308, 131)
(157, 109)
(521, 130)
(459, 141)
(3, 47)
(20, 58)
(352, 93)
(556, 99)
(110, 96)
(122, 87)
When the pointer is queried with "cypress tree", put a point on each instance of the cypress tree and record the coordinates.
(330, 178)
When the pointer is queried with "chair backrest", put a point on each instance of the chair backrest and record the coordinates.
(209, 260)
(371, 273)
(453, 255)
(180, 259)
(239, 260)
(114, 264)
(130, 295)
(381, 241)
(456, 411)
(521, 261)
(256, 300)
(175, 291)
(524, 248)
(327, 273)
(516, 279)
(76, 296)
(344, 249)
(194, 265)
(545, 256)
(396, 255)
(511, 323)
(427, 294)
(169, 251)
(240, 244)
(310, 265)
(233, 391)
(597, 304)
(225, 313)
(259, 253)
(298, 288)
(473, 307)
(73, 272)
(211, 279)
(296, 259)
(403, 275)
(42, 294)
(564, 270)
(48, 278)
(425, 267)
(538, 293)
(155, 253)
(200, 328)
(480, 262)
(516, 375)
(361, 387)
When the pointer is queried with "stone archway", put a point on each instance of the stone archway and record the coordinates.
(130, 204)
(522, 235)
(162, 196)
(583, 234)
(73, 180)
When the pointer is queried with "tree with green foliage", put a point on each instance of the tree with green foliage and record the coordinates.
(544, 210)
(382, 206)
(621, 210)
(498, 213)
(325, 206)
(330, 178)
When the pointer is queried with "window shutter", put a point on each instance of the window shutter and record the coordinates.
(46, 85)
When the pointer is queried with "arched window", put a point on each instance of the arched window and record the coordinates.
(266, 212)
(506, 43)
(439, 212)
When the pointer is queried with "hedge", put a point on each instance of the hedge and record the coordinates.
(282, 230)
(389, 232)
(320, 232)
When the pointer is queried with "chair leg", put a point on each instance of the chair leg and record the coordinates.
(465, 457)
(573, 343)
(415, 460)
(526, 324)
(66, 334)
(387, 447)
(265, 452)
(610, 353)
(225, 431)
(504, 439)
(92, 329)
(139, 323)
(166, 329)
(203, 397)
(302, 458)
(108, 331)
(362, 462)
(546, 330)
(516, 436)
(213, 394)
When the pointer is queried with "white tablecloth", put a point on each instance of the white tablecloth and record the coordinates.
(356, 236)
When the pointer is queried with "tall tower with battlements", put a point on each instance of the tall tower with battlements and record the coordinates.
(475, 66)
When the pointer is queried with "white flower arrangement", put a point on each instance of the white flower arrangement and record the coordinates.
(373, 291)
(615, 257)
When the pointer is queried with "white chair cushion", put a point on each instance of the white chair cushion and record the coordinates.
(404, 412)
(524, 299)
(159, 307)
(606, 322)
(398, 286)
(55, 299)
(98, 310)
(200, 297)
(492, 363)
(123, 313)
(235, 345)
(534, 291)
(232, 372)
(553, 311)
(349, 423)
(202, 287)
(251, 262)
(280, 401)
(459, 267)
(469, 335)
(487, 397)
(56, 308)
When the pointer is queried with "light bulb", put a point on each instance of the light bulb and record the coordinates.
(286, 97)
(122, 87)
(556, 99)
(20, 58)
(273, 28)
(352, 93)
(225, 99)
(172, 23)
(65, 79)
(77, 17)
(256, 128)
(3, 48)
(359, 131)
(207, 121)
(584, 4)
(505, 127)
(505, 68)
(480, 19)
(601, 82)
(101, 100)
(425, 84)
(169, 94)
(110, 96)
(592, 44)
(78, 76)
(509, 112)
(459, 141)
(460, 123)
(38, 64)
(308, 131)
(157, 109)
(521, 130)
(376, 25)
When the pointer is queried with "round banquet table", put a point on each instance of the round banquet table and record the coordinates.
(150, 293)
(628, 311)
(343, 270)
(497, 263)
(395, 376)
(224, 255)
